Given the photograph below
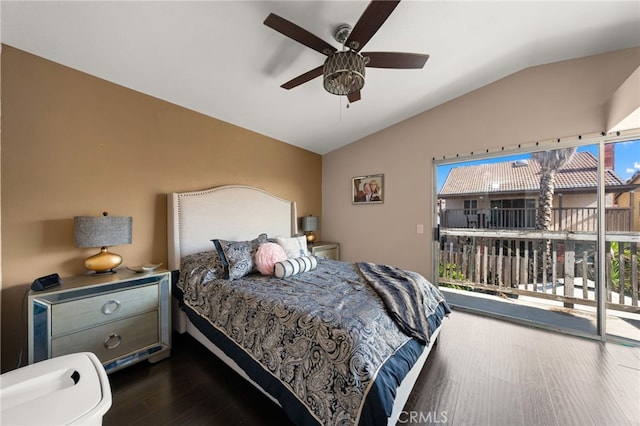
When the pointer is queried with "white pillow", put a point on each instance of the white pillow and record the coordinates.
(294, 247)
(294, 266)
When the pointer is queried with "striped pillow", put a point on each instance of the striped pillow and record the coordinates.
(295, 266)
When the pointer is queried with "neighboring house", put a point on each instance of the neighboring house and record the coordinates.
(504, 195)
(630, 199)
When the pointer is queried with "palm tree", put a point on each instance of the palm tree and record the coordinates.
(550, 162)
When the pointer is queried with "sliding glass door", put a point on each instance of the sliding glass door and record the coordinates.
(621, 242)
(521, 237)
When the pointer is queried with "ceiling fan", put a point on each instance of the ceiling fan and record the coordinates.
(343, 71)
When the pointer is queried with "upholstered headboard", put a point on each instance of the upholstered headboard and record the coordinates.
(232, 212)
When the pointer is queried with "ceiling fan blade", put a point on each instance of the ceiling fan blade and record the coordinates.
(395, 60)
(303, 78)
(298, 34)
(371, 20)
(355, 96)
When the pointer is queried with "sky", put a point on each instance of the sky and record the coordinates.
(627, 160)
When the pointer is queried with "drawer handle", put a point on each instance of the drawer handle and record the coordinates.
(113, 341)
(111, 307)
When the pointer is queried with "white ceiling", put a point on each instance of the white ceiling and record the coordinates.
(219, 59)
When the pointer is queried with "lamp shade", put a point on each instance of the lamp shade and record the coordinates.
(344, 72)
(103, 231)
(309, 223)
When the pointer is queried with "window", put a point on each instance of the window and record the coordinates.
(513, 213)
(470, 206)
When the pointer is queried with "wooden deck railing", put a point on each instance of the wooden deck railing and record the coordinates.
(506, 263)
(563, 219)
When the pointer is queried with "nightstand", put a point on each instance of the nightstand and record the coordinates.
(123, 318)
(325, 250)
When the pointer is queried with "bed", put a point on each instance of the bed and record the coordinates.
(320, 344)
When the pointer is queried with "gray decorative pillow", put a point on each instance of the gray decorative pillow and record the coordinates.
(238, 256)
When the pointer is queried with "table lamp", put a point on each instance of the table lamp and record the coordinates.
(103, 231)
(310, 224)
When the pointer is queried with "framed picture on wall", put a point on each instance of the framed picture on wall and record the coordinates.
(367, 189)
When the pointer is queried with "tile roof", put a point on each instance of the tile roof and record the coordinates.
(580, 172)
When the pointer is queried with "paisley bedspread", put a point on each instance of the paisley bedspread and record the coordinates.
(323, 334)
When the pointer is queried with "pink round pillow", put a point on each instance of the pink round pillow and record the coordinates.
(267, 256)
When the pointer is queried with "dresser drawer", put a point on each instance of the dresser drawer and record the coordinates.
(91, 311)
(327, 254)
(112, 340)
(123, 318)
(324, 250)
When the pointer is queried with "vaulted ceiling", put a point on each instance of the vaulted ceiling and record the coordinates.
(217, 57)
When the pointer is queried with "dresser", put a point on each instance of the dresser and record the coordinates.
(325, 250)
(123, 318)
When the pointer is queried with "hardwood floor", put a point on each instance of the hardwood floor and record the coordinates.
(192, 387)
(483, 372)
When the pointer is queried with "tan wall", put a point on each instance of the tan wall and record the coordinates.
(632, 200)
(579, 200)
(75, 145)
(542, 103)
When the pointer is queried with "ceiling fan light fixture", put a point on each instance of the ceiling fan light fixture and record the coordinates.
(343, 73)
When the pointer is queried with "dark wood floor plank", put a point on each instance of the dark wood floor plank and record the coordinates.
(505, 405)
(474, 388)
(581, 362)
(434, 391)
(483, 371)
(504, 378)
(626, 386)
(520, 365)
(191, 387)
(538, 408)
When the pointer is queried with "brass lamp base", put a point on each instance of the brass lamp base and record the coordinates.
(310, 238)
(103, 262)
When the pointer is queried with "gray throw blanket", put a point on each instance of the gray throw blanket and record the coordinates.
(401, 295)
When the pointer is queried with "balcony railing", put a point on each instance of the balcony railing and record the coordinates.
(583, 219)
(510, 264)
